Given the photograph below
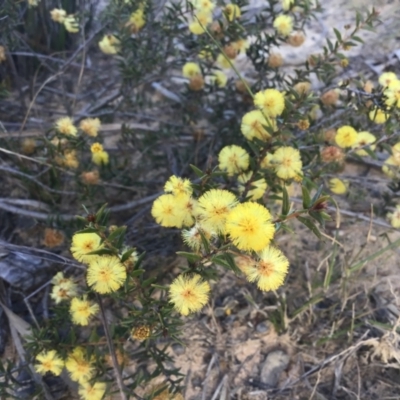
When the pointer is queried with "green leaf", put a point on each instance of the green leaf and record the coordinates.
(197, 171)
(137, 273)
(370, 152)
(285, 201)
(117, 233)
(317, 194)
(191, 257)
(149, 281)
(127, 254)
(88, 230)
(102, 252)
(338, 35)
(219, 260)
(306, 198)
(101, 213)
(310, 225)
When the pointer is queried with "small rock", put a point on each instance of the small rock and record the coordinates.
(178, 349)
(262, 327)
(275, 363)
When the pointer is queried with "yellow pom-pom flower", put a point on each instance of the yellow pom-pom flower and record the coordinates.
(270, 101)
(233, 159)
(250, 227)
(78, 365)
(58, 15)
(100, 158)
(109, 44)
(257, 188)
(106, 274)
(82, 310)
(177, 186)
(287, 163)
(363, 139)
(190, 70)
(255, 125)
(346, 136)
(90, 126)
(391, 167)
(213, 208)
(394, 217)
(232, 12)
(65, 289)
(338, 186)
(71, 24)
(392, 93)
(84, 243)
(173, 211)
(189, 293)
(204, 5)
(386, 78)
(378, 115)
(283, 25)
(137, 20)
(200, 21)
(270, 271)
(192, 237)
(241, 45)
(65, 126)
(49, 361)
(92, 391)
(223, 62)
(287, 4)
(218, 78)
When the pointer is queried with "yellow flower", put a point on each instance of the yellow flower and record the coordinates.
(283, 25)
(270, 101)
(213, 208)
(189, 293)
(192, 237)
(81, 310)
(58, 15)
(223, 62)
(92, 392)
(218, 78)
(71, 24)
(100, 158)
(394, 217)
(106, 274)
(257, 188)
(346, 136)
(190, 70)
(70, 159)
(363, 139)
(287, 163)
(65, 126)
(33, 3)
(177, 185)
(109, 44)
(137, 21)
(267, 161)
(90, 126)
(96, 148)
(233, 159)
(256, 125)
(392, 93)
(232, 12)
(287, 4)
(270, 271)
(64, 290)
(173, 211)
(200, 21)
(337, 186)
(49, 361)
(386, 78)
(378, 115)
(84, 243)
(203, 5)
(79, 366)
(241, 45)
(391, 166)
(250, 227)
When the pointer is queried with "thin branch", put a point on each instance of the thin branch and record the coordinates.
(111, 349)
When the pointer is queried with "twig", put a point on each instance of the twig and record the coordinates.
(111, 349)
